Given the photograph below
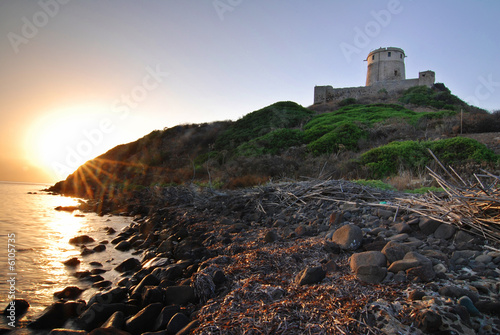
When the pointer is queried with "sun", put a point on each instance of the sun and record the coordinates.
(62, 140)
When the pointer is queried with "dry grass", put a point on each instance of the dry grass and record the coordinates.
(409, 180)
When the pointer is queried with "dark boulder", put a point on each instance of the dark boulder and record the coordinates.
(51, 317)
(82, 274)
(395, 251)
(429, 321)
(146, 281)
(123, 246)
(98, 271)
(310, 275)
(488, 307)
(102, 284)
(110, 231)
(469, 305)
(82, 239)
(348, 237)
(94, 278)
(152, 294)
(86, 251)
(179, 295)
(428, 226)
(18, 307)
(73, 309)
(69, 293)
(457, 292)
(117, 321)
(165, 315)
(374, 258)
(177, 322)
(424, 272)
(72, 262)
(112, 296)
(144, 320)
(445, 231)
(97, 314)
(371, 273)
(118, 239)
(156, 262)
(170, 272)
(130, 264)
(99, 248)
(271, 236)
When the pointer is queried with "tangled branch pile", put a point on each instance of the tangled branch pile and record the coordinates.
(297, 198)
(471, 206)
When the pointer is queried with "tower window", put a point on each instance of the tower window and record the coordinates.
(373, 57)
(401, 56)
(389, 54)
(395, 73)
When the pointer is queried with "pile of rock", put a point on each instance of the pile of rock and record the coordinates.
(245, 260)
(451, 272)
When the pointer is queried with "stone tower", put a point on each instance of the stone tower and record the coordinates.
(385, 64)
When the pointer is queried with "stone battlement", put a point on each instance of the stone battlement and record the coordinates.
(386, 73)
(324, 94)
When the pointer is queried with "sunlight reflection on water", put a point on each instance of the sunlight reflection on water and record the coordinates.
(42, 236)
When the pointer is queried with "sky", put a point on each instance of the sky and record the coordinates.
(80, 77)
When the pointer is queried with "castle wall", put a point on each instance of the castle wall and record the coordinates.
(426, 78)
(323, 94)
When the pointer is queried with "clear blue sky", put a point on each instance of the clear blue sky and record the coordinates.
(79, 77)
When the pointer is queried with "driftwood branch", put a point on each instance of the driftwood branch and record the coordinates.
(473, 206)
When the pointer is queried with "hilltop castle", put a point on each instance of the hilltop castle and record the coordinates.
(386, 73)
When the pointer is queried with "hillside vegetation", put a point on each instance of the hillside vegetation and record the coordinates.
(347, 140)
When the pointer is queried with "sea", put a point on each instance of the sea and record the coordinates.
(34, 242)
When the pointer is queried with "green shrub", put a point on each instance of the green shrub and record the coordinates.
(375, 184)
(432, 97)
(346, 135)
(280, 115)
(272, 143)
(323, 134)
(386, 160)
(425, 189)
(459, 149)
(362, 114)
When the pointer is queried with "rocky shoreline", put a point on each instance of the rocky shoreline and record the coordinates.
(318, 257)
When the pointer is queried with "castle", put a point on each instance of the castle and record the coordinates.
(386, 74)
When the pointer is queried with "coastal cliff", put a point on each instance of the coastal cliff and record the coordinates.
(286, 141)
(225, 243)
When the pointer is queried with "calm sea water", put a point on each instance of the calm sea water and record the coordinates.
(41, 245)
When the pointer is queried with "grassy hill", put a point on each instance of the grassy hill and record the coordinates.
(348, 140)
